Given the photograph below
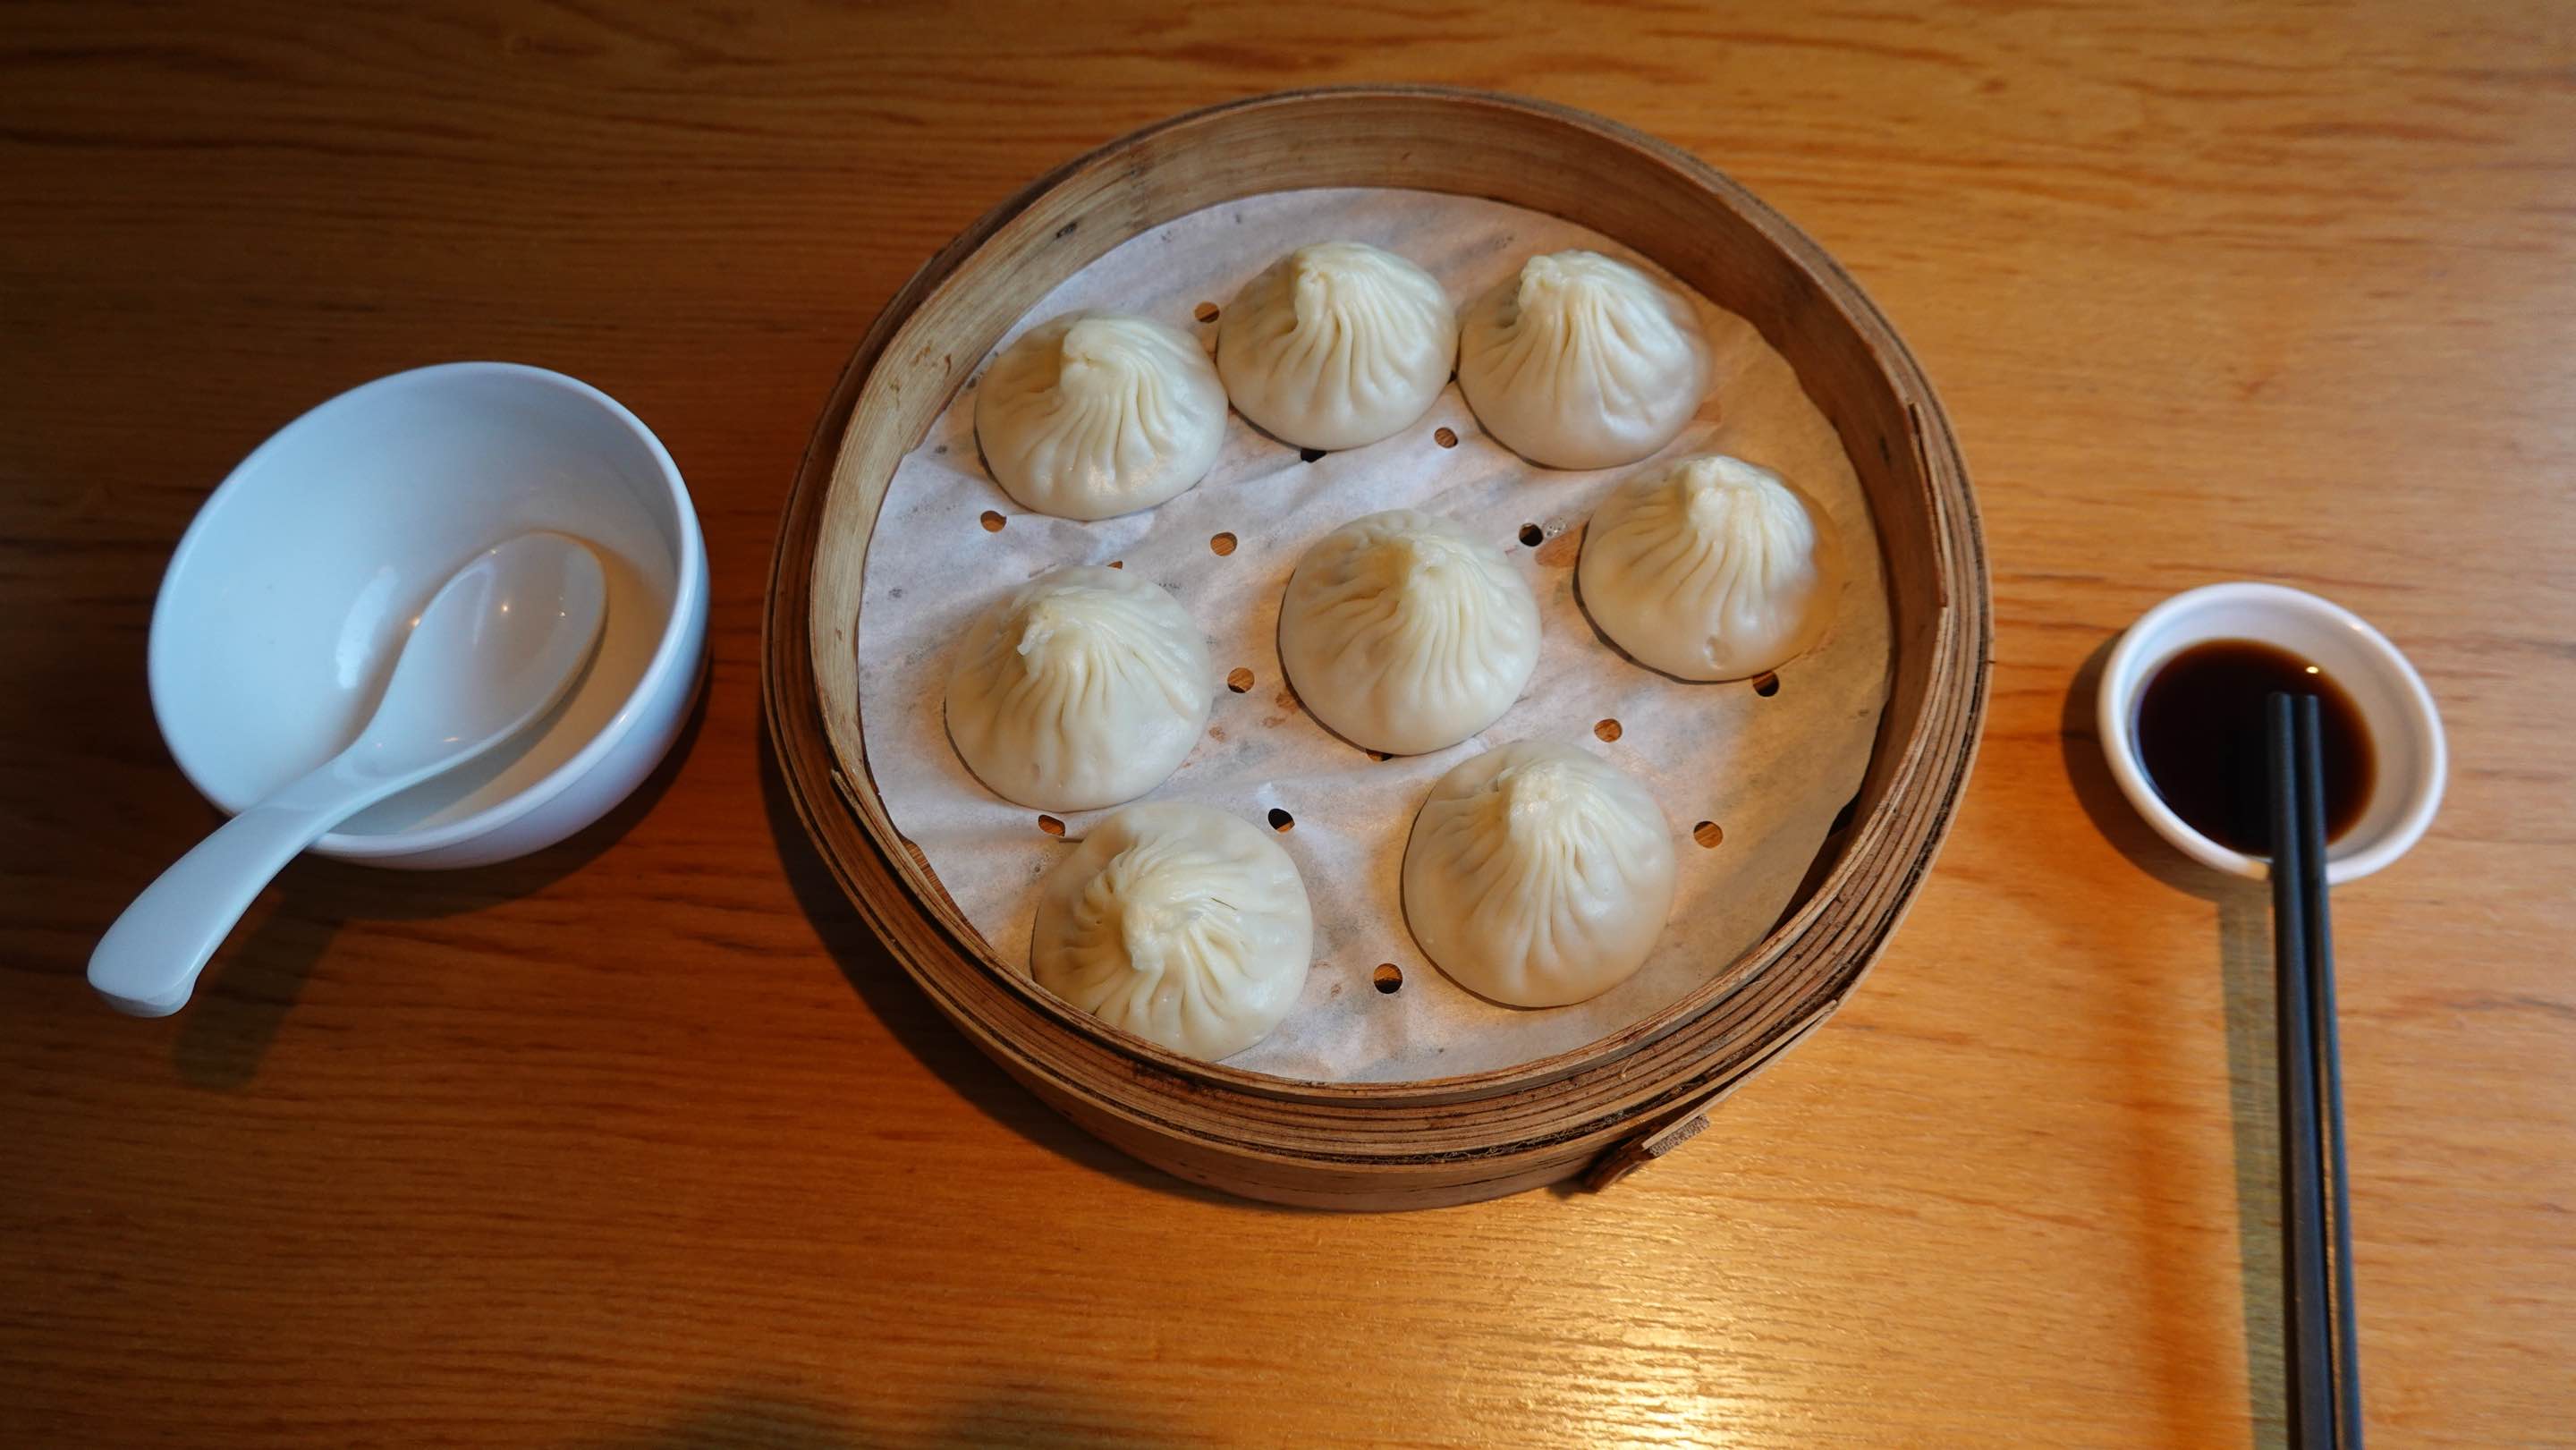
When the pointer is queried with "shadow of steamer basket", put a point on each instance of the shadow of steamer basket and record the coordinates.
(1591, 1114)
(288, 598)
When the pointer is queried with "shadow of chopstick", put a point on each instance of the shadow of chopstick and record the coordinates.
(2253, 1091)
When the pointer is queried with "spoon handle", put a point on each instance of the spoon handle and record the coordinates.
(149, 960)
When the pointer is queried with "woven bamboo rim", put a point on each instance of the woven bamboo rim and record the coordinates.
(1449, 1139)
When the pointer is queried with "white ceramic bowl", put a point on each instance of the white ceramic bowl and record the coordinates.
(281, 613)
(2405, 731)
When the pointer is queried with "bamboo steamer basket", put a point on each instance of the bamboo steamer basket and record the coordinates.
(1592, 1114)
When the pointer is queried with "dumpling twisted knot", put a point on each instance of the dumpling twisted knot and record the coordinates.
(1538, 874)
(1180, 923)
(1710, 569)
(1084, 687)
(1094, 414)
(1405, 634)
(1337, 345)
(1582, 361)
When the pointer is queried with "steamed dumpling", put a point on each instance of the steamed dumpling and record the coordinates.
(1710, 569)
(1538, 875)
(1336, 345)
(1180, 923)
(1404, 633)
(1081, 688)
(1581, 361)
(1095, 414)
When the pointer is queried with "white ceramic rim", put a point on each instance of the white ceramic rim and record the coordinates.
(691, 582)
(2115, 713)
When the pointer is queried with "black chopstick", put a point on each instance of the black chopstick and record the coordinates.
(2302, 1200)
(2327, 1054)
(2321, 1354)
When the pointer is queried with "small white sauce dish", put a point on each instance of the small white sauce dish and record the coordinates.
(2405, 731)
(281, 613)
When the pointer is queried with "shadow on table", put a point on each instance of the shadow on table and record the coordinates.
(746, 1419)
(243, 1000)
(1037, 1415)
(2244, 962)
(889, 993)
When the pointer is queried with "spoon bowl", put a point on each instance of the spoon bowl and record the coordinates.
(499, 644)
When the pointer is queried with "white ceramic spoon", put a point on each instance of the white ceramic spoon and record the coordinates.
(496, 648)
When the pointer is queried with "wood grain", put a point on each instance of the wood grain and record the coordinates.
(641, 1143)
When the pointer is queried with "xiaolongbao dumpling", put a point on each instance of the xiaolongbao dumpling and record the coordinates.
(1404, 633)
(1581, 361)
(1711, 569)
(1179, 923)
(1336, 345)
(1095, 414)
(1083, 687)
(1538, 875)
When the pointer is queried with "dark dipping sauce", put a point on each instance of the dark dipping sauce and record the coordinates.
(2202, 738)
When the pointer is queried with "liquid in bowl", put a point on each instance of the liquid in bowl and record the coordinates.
(2200, 734)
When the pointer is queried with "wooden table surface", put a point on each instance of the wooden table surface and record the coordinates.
(641, 1142)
